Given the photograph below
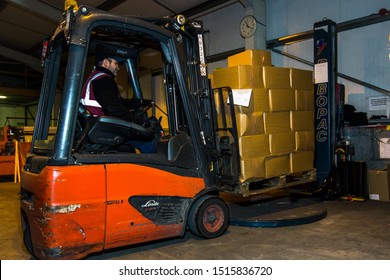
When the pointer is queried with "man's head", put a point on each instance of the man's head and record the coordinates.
(111, 64)
(107, 58)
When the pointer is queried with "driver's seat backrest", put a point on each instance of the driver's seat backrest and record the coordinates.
(82, 117)
(181, 151)
(81, 125)
(84, 113)
(107, 130)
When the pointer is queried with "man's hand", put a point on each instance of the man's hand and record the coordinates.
(146, 102)
(155, 125)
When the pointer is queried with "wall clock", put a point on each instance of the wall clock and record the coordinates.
(248, 26)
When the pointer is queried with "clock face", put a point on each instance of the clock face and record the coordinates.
(248, 26)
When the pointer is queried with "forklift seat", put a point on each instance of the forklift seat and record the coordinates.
(107, 131)
(181, 151)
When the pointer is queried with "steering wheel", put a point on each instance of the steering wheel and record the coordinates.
(142, 111)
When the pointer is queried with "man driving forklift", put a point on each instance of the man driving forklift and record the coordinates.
(101, 96)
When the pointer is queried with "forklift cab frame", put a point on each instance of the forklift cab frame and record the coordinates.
(74, 203)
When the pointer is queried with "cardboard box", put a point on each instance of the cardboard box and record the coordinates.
(253, 146)
(258, 103)
(277, 166)
(251, 124)
(252, 168)
(304, 141)
(275, 122)
(211, 78)
(304, 100)
(282, 143)
(237, 77)
(250, 57)
(378, 185)
(301, 161)
(276, 77)
(301, 79)
(281, 99)
(302, 120)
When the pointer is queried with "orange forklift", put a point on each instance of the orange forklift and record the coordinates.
(84, 191)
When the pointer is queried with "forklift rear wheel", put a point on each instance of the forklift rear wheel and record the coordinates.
(27, 240)
(208, 217)
(27, 234)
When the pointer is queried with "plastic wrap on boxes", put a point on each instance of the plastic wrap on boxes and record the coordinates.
(281, 99)
(241, 76)
(304, 100)
(277, 165)
(301, 161)
(254, 146)
(276, 77)
(252, 168)
(258, 102)
(302, 120)
(304, 141)
(275, 122)
(282, 143)
(301, 79)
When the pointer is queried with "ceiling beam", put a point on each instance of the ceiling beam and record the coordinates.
(19, 92)
(207, 7)
(246, 4)
(30, 61)
(39, 8)
(165, 7)
(342, 26)
(109, 5)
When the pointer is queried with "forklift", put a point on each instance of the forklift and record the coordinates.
(82, 191)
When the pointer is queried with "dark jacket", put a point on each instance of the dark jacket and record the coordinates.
(107, 95)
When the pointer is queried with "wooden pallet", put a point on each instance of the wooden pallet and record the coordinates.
(259, 186)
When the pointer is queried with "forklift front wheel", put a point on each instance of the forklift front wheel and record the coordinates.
(208, 217)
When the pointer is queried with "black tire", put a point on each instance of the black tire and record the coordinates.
(27, 240)
(208, 217)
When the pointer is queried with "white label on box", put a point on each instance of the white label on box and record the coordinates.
(241, 97)
(384, 147)
(378, 103)
(374, 196)
(321, 73)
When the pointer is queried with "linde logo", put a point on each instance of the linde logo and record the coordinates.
(150, 203)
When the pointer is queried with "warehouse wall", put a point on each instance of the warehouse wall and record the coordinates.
(363, 53)
(11, 112)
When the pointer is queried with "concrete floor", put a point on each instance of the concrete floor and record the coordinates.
(351, 231)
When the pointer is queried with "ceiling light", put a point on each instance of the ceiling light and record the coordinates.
(3, 97)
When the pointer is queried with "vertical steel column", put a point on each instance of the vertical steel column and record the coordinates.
(132, 69)
(325, 73)
(69, 105)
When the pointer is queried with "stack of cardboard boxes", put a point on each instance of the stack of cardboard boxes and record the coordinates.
(276, 129)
